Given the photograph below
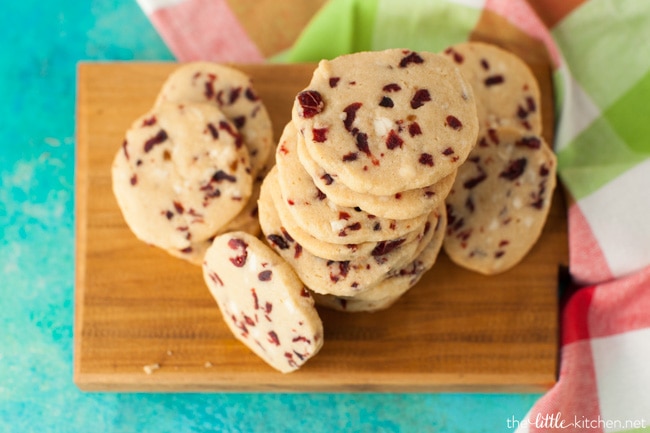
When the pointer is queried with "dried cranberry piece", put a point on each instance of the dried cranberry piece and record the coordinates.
(160, 137)
(213, 131)
(334, 81)
(393, 140)
(238, 244)
(362, 143)
(179, 207)
(220, 175)
(265, 275)
(530, 142)
(278, 241)
(485, 64)
(225, 126)
(352, 156)
(273, 338)
(327, 179)
(249, 93)
(134, 179)
(412, 57)
(492, 133)
(350, 114)
(385, 247)
(239, 121)
(448, 151)
(543, 170)
(311, 103)
(453, 122)
(414, 129)
(354, 227)
(420, 97)
(392, 87)
(149, 122)
(426, 159)
(344, 215)
(386, 102)
(125, 150)
(319, 135)
(493, 80)
(298, 252)
(458, 57)
(521, 112)
(234, 95)
(515, 169)
(530, 104)
(320, 195)
(469, 204)
(471, 183)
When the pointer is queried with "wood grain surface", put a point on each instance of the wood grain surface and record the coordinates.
(139, 309)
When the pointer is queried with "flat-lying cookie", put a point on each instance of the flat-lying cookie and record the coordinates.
(500, 201)
(505, 89)
(397, 282)
(406, 122)
(402, 205)
(181, 175)
(233, 93)
(328, 250)
(262, 300)
(344, 278)
(319, 216)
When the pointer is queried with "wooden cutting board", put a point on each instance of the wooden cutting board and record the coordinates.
(145, 321)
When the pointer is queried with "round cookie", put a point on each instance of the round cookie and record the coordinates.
(319, 216)
(396, 284)
(233, 93)
(387, 121)
(328, 276)
(505, 89)
(403, 205)
(328, 250)
(500, 201)
(262, 301)
(180, 175)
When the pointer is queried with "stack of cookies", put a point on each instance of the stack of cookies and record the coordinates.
(356, 203)
(501, 198)
(191, 168)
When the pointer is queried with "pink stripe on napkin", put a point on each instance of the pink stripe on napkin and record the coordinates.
(205, 30)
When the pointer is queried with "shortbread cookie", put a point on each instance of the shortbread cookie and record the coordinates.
(328, 276)
(402, 205)
(262, 300)
(500, 201)
(319, 216)
(505, 89)
(328, 250)
(232, 91)
(387, 121)
(180, 175)
(396, 284)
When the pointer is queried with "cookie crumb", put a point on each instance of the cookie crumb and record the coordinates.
(149, 369)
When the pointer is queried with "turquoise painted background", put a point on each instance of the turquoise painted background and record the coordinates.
(41, 43)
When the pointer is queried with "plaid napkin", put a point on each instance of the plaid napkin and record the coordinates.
(599, 51)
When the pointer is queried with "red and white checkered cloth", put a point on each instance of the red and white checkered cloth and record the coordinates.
(601, 53)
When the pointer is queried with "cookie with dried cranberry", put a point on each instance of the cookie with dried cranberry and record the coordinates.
(387, 121)
(344, 278)
(397, 282)
(262, 301)
(500, 201)
(506, 90)
(233, 93)
(402, 205)
(181, 174)
(312, 210)
(327, 250)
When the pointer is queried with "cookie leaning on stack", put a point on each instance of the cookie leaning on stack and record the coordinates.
(363, 169)
(501, 198)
